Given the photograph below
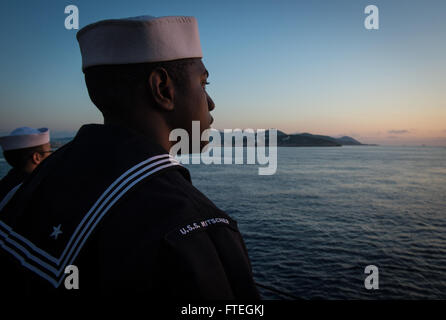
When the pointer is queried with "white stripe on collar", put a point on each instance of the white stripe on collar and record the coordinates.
(51, 268)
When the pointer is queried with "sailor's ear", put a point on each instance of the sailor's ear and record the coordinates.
(36, 158)
(162, 88)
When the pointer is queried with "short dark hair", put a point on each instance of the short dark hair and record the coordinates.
(18, 158)
(111, 86)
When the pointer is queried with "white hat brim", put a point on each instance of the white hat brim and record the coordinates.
(13, 142)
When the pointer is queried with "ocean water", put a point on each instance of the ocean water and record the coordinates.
(327, 213)
(313, 227)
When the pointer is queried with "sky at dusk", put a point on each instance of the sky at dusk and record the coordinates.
(297, 66)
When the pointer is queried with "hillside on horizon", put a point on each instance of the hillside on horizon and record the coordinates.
(283, 140)
(314, 140)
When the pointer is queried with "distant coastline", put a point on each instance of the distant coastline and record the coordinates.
(313, 140)
(283, 140)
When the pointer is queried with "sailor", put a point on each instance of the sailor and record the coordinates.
(113, 202)
(24, 149)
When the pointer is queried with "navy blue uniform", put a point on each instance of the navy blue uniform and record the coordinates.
(127, 215)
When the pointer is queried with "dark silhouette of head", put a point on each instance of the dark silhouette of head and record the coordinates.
(27, 159)
(152, 98)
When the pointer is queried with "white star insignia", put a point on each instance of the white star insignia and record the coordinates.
(56, 231)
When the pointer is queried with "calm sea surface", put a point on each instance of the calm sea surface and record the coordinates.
(327, 213)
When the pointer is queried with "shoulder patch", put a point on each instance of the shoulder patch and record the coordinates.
(201, 225)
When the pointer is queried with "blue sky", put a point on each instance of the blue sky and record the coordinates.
(298, 66)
